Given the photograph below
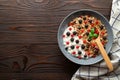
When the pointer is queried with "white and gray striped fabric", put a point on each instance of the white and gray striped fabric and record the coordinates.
(100, 71)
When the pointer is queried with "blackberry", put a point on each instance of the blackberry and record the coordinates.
(68, 33)
(87, 45)
(83, 46)
(84, 18)
(72, 47)
(79, 27)
(66, 48)
(74, 33)
(101, 27)
(90, 21)
(86, 26)
(85, 56)
(104, 47)
(87, 33)
(77, 41)
(79, 52)
(89, 39)
(80, 21)
(95, 51)
(72, 39)
(104, 38)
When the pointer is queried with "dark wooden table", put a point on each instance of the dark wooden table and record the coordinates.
(28, 37)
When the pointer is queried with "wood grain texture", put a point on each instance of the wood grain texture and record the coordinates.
(28, 37)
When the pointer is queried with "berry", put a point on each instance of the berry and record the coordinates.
(70, 29)
(80, 37)
(84, 41)
(79, 57)
(83, 46)
(84, 18)
(92, 25)
(87, 33)
(80, 16)
(85, 22)
(87, 45)
(80, 21)
(79, 27)
(104, 38)
(82, 30)
(70, 24)
(94, 56)
(79, 52)
(97, 22)
(72, 39)
(86, 26)
(89, 39)
(101, 27)
(103, 43)
(102, 33)
(77, 47)
(74, 33)
(88, 53)
(67, 43)
(96, 51)
(66, 48)
(77, 41)
(85, 56)
(68, 33)
(104, 47)
(72, 47)
(96, 31)
(88, 30)
(73, 52)
(93, 44)
(63, 36)
(90, 21)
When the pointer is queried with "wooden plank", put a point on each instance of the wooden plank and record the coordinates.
(28, 37)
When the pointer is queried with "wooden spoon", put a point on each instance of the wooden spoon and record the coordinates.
(103, 52)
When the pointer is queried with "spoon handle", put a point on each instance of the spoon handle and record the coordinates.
(104, 54)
